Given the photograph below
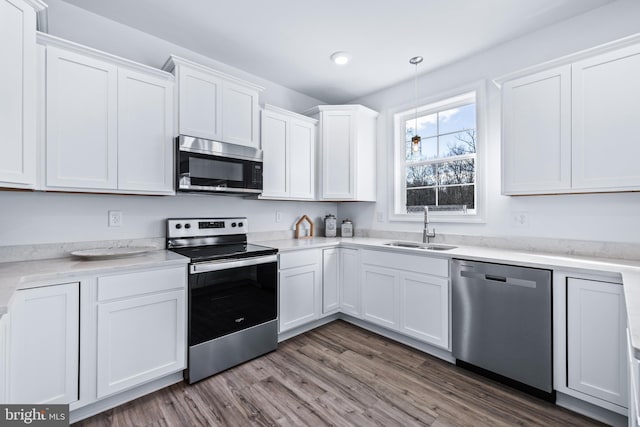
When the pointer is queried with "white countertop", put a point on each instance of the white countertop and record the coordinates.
(628, 272)
(28, 274)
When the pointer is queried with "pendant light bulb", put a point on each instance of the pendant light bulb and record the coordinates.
(415, 141)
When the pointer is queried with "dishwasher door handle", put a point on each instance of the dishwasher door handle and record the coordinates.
(493, 278)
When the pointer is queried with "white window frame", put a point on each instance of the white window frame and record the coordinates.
(397, 185)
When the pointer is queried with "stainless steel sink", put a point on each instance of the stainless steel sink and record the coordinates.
(425, 246)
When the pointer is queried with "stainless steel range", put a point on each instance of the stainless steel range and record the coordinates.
(233, 291)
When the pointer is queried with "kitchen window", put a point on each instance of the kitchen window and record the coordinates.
(444, 171)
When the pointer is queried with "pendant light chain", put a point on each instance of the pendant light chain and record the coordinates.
(415, 141)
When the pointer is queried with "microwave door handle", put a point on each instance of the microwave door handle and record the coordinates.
(226, 265)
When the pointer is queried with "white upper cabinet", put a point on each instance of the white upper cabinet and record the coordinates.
(240, 114)
(536, 148)
(145, 132)
(213, 105)
(570, 129)
(288, 143)
(18, 99)
(199, 103)
(109, 122)
(606, 114)
(81, 137)
(346, 152)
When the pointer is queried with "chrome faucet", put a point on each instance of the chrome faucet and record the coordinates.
(426, 234)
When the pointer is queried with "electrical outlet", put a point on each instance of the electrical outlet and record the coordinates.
(520, 219)
(115, 218)
(278, 216)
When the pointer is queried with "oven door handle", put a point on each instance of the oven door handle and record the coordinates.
(205, 267)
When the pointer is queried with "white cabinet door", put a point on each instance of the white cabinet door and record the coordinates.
(275, 146)
(330, 280)
(424, 308)
(302, 160)
(606, 113)
(350, 281)
(338, 154)
(4, 356)
(380, 296)
(536, 139)
(200, 104)
(44, 343)
(240, 115)
(596, 322)
(81, 121)
(634, 385)
(18, 96)
(139, 339)
(299, 296)
(288, 144)
(145, 133)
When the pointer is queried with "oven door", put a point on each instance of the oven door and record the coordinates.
(208, 172)
(229, 296)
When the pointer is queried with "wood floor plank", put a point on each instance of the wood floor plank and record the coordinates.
(343, 376)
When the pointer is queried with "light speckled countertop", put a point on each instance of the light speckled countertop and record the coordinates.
(27, 274)
(626, 271)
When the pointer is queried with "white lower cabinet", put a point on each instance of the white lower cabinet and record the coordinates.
(141, 328)
(44, 342)
(407, 293)
(331, 280)
(300, 288)
(424, 302)
(350, 281)
(4, 353)
(634, 383)
(596, 341)
(380, 296)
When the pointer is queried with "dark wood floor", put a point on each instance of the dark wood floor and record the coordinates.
(340, 375)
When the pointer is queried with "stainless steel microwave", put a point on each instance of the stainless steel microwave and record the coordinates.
(209, 166)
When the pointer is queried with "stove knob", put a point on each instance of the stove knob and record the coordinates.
(233, 224)
(240, 224)
(178, 226)
(187, 226)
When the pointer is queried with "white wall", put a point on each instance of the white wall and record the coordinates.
(34, 218)
(600, 217)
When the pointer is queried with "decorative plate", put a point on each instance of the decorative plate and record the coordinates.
(108, 253)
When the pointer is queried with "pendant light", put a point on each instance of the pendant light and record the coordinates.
(415, 141)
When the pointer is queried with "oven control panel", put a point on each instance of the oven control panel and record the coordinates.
(200, 227)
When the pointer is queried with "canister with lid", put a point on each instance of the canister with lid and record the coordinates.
(330, 225)
(347, 228)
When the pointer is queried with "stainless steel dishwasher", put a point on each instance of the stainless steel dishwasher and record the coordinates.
(501, 323)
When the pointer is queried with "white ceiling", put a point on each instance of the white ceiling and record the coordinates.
(289, 41)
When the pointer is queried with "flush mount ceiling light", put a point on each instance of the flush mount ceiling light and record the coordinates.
(415, 141)
(341, 58)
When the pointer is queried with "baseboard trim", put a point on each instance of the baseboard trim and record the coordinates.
(124, 397)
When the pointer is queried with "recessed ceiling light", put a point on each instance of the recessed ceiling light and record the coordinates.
(341, 58)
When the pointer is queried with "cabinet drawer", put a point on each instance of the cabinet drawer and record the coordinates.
(406, 262)
(140, 282)
(299, 258)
